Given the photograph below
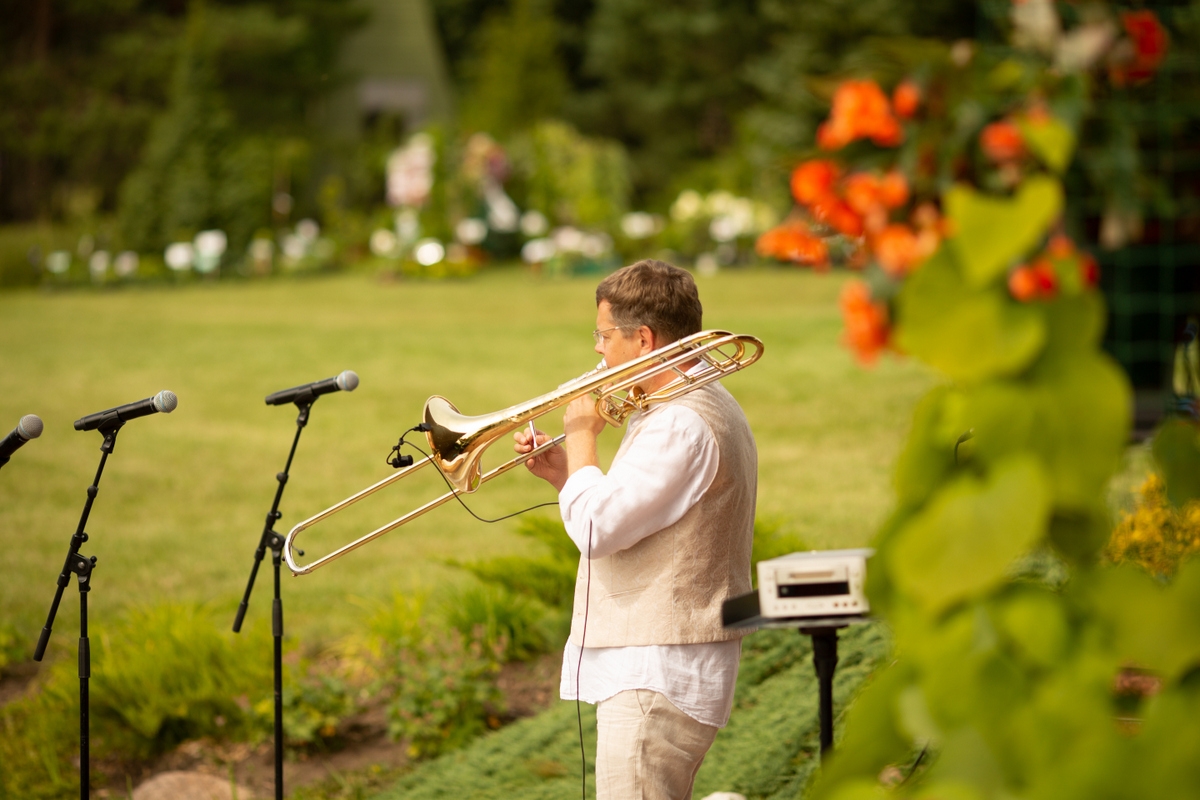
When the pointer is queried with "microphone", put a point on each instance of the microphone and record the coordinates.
(347, 381)
(164, 401)
(30, 427)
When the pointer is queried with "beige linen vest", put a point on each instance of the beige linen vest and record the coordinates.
(668, 588)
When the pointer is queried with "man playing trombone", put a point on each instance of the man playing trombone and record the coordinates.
(664, 537)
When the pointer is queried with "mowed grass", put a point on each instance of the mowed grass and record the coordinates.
(183, 498)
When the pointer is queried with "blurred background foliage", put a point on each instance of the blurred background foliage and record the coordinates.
(127, 126)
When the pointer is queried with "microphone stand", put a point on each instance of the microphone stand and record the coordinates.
(273, 541)
(81, 566)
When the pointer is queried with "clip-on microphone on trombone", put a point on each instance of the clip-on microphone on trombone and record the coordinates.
(397, 460)
(303, 397)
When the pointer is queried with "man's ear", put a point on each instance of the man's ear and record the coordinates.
(647, 339)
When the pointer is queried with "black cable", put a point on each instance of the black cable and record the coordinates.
(455, 492)
(587, 596)
(587, 599)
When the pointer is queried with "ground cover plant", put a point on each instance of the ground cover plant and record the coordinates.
(767, 751)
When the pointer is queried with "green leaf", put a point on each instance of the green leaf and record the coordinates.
(1035, 624)
(1148, 625)
(967, 333)
(928, 455)
(1051, 140)
(1081, 421)
(1177, 450)
(991, 233)
(1072, 410)
(963, 543)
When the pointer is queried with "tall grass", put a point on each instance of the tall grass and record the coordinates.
(181, 502)
(161, 675)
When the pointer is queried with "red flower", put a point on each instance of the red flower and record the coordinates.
(1045, 277)
(1149, 40)
(1001, 142)
(1089, 270)
(867, 327)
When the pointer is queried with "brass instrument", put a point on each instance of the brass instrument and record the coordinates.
(457, 441)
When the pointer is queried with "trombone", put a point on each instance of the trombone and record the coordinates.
(457, 441)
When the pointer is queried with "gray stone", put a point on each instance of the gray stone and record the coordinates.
(189, 786)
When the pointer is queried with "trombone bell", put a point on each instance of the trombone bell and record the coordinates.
(457, 442)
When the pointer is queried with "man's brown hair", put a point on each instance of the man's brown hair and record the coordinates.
(655, 294)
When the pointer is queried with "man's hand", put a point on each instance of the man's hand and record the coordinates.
(582, 424)
(582, 417)
(549, 465)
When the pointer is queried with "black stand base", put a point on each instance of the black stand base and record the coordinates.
(825, 658)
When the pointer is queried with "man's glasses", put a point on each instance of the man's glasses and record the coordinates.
(598, 334)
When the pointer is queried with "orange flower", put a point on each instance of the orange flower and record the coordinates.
(862, 192)
(836, 214)
(906, 98)
(792, 241)
(1060, 246)
(867, 328)
(896, 249)
(1022, 285)
(860, 111)
(813, 180)
(893, 189)
(926, 216)
(1001, 141)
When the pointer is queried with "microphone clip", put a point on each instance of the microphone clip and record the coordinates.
(395, 459)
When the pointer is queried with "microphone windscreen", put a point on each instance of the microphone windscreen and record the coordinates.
(348, 381)
(30, 426)
(165, 401)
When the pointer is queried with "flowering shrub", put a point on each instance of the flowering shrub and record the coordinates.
(968, 143)
(947, 195)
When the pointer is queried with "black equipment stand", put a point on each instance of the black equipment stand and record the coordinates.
(273, 541)
(81, 566)
(744, 612)
(825, 658)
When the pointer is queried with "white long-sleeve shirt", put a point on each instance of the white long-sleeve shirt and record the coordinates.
(667, 462)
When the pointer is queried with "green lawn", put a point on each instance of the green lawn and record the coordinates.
(182, 500)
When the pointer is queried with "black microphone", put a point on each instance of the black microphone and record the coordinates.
(347, 381)
(164, 401)
(30, 427)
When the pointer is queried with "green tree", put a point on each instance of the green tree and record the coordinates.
(515, 78)
(83, 81)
